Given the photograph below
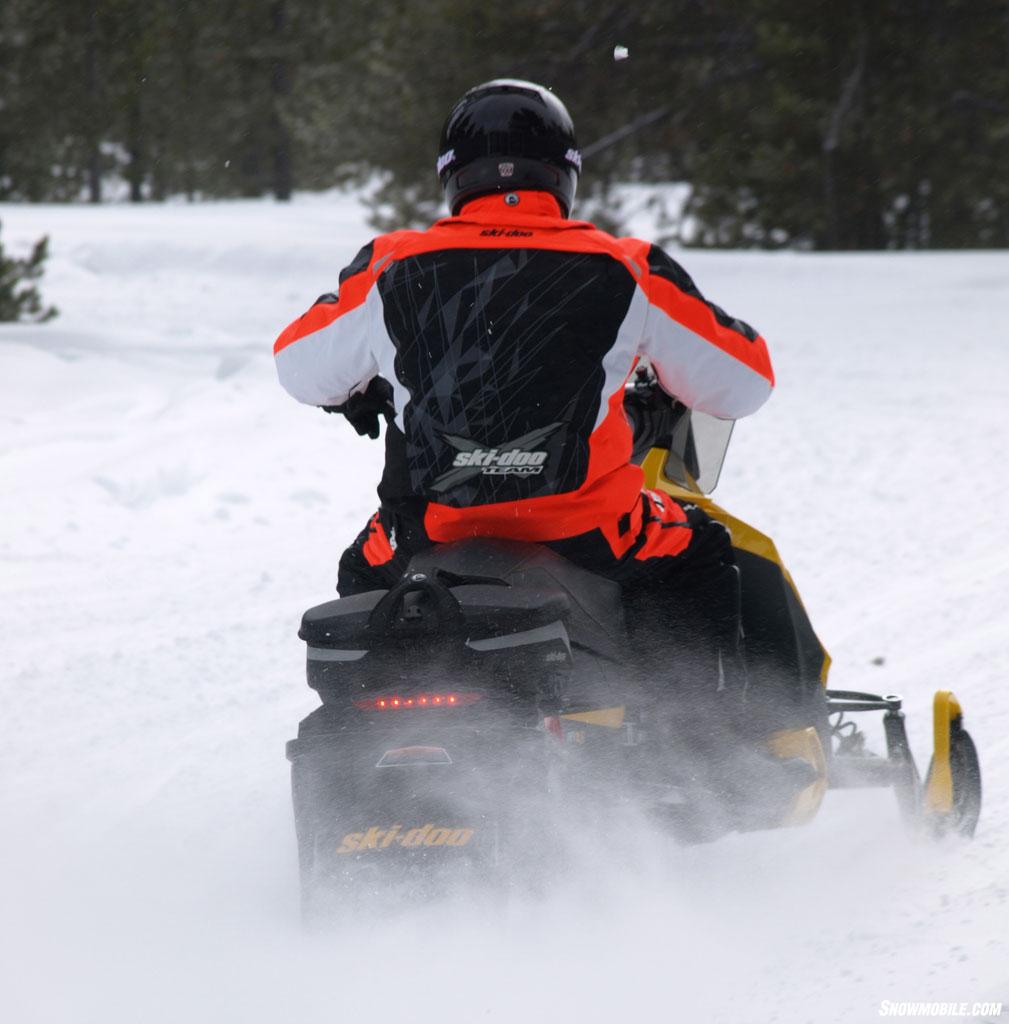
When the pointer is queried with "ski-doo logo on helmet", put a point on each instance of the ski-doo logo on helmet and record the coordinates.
(506, 170)
(445, 159)
(573, 156)
(521, 457)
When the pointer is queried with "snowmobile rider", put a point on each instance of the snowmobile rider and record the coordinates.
(497, 344)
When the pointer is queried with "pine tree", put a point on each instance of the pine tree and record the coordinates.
(19, 298)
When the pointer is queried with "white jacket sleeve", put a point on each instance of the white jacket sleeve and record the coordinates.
(707, 359)
(326, 354)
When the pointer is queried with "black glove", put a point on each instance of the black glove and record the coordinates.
(652, 413)
(363, 409)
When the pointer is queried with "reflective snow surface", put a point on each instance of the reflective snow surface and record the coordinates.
(168, 512)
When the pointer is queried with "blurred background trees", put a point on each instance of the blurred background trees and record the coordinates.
(796, 123)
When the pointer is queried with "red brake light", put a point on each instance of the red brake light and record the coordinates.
(397, 702)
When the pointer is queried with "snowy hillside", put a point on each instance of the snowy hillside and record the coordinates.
(167, 512)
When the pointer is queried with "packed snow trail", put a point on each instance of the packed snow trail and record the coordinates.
(168, 512)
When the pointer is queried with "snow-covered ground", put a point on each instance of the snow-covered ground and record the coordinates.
(167, 512)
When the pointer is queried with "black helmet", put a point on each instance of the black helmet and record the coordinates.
(507, 135)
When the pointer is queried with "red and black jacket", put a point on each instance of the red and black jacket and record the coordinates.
(508, 333)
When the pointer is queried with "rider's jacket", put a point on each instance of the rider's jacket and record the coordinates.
(507, 333)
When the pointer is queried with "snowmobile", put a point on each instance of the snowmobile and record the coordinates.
(494, 669)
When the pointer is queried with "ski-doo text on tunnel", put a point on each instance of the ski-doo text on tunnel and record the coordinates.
(527, 579)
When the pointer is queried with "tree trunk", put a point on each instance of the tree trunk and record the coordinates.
(135, 147)
(832, 142)
(94, 169)
(280, 87)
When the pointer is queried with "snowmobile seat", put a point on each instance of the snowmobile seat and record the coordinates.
(357, 642)
(480, 610)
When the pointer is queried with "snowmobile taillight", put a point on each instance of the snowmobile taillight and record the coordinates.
(395, 702)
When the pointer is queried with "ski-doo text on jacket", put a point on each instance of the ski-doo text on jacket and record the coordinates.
(508, 333)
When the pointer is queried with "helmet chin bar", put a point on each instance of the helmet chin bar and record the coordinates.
(509, 174)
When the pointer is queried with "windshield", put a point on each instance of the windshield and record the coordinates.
(697, 450)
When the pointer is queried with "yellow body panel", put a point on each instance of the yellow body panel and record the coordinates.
(744, 536)
(804, 744)
(939, 792)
